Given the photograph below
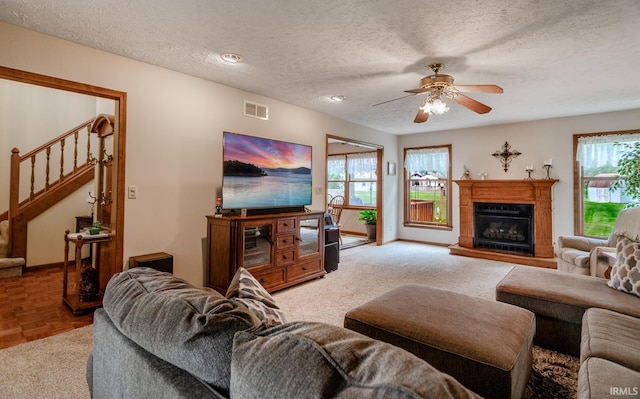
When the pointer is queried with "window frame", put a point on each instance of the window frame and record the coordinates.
(348, 180)
(579, 180)
(448, 225)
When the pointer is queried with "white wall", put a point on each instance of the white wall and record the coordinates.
(536, 140)
(174, 140)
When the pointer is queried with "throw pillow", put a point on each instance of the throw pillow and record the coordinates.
(316, 360)
(625, 274)
(189, 327)
(245, 289)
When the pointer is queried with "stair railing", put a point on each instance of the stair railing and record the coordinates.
(42, 181)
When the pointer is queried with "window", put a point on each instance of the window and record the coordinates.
(427, 186)
(353, 176)
(598, 199)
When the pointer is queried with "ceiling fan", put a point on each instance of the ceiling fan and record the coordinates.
(441, 85)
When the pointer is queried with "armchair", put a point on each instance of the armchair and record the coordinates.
(585, 255)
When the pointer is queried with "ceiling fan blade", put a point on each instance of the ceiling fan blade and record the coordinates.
(395, 99)
(421, 116)
(480, 88)
(470, 103)
(418, 91)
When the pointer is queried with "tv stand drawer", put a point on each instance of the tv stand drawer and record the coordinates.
(304, 270)
(286, 225)
(270, 278)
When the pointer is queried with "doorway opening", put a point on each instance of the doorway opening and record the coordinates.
(354, 176)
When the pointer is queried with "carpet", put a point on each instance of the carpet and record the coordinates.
(54, 367)
(49, 368)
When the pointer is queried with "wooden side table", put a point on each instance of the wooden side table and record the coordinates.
(87, 295)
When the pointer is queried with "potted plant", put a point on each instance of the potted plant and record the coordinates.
(370, 218)
(629, 173)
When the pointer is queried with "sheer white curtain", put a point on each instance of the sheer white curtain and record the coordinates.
(427, 160)
(336, 167)
(594, 151)
(362, 166)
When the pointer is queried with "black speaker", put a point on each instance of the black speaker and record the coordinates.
(331, 257)
(331, 249)
(331, 236)
(160, 261)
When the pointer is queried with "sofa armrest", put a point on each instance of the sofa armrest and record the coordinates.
(579, 242)
(599, 262)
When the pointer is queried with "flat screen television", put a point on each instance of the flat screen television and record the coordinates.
(265, 174)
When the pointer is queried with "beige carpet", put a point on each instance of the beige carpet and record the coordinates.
(54, 367)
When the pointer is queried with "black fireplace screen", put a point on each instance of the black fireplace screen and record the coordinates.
(503, 227)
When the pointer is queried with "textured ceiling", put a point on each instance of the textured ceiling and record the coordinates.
(552, 58)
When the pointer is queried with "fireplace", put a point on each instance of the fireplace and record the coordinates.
(526, 202)
(503, 227)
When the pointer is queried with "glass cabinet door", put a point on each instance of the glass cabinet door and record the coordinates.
(309, 239)
(256, 248)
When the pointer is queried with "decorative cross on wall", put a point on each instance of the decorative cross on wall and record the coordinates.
(505, 156)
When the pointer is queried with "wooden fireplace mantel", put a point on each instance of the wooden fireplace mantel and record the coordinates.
(536, 192)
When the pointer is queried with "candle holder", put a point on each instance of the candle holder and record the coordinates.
(529, 171)
(547, 167)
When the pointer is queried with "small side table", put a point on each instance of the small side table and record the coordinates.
(87, 277)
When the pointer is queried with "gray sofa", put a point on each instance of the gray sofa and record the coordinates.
(576, 314)
(594, 318)
(159, 337)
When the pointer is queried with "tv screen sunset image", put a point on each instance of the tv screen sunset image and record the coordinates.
(262, 173)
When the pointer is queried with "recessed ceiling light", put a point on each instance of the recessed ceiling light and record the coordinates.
(337, 98)
(231, 58)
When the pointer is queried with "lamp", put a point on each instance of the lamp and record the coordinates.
(433, 104)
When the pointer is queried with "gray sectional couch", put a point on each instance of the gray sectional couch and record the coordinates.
(597, 319)
(159, 337)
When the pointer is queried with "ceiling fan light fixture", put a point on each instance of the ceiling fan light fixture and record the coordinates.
(438, 107)
(434, 106)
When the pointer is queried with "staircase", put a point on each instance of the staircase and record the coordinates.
(45, 188)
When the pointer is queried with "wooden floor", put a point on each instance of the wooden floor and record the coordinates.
(31, 308)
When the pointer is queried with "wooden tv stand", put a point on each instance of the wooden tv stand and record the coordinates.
(280, 250)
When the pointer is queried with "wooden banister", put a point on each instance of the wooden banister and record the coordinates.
(57, 139)
(38, 199)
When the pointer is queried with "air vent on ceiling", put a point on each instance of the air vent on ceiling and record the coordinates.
(256, 110)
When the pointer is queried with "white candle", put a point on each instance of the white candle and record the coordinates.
(530, 167)
(548, 162)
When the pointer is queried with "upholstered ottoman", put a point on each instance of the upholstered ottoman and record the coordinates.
(486, 345)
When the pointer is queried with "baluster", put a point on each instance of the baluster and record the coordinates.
(33, 177)
(75, 151)
(61, 160)
(46, 183)
(88, 146)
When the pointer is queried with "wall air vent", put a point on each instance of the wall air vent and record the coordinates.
(256, 110)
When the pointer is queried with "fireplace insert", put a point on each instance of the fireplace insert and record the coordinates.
(503, 227)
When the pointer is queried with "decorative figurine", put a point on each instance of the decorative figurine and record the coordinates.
(466, 175)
